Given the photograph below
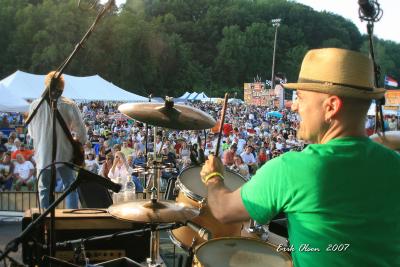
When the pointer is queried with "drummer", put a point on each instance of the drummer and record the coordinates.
(340, 194)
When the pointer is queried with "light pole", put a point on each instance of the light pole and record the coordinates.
(276, 23)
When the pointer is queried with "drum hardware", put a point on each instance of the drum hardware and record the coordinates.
(256, 228)
(154, 211)
(193, 193)
(201, 231)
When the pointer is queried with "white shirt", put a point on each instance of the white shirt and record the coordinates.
(248, 158)
(23, 169)
(120, 172)
(40, 128)
(240, 145)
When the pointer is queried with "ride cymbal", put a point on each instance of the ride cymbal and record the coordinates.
(168, 115)
(146, 211)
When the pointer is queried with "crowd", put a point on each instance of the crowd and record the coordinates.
(116, 144)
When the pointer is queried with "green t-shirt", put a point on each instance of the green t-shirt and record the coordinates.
(343, 192)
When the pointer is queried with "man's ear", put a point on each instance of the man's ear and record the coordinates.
(332, 105)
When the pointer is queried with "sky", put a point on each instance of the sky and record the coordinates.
(385, 28)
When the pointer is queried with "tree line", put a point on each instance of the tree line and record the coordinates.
(167, 47)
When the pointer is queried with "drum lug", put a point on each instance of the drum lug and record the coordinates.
(202, 203)
(176, 189)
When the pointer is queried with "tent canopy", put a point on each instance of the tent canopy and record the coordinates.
(201, 96)
(185, 95)
(31, 86)
(9, 102)
(192, 96)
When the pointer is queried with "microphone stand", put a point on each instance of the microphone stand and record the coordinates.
(53, 95)
(375, 16)
(377, 72)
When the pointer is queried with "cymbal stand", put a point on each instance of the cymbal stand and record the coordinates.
(155, 258)
(155, 189)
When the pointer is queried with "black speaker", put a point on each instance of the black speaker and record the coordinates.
(93, 195)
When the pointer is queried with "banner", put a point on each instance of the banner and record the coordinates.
(392, 98)
(256, 94)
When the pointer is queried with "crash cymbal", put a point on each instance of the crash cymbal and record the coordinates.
(390, 139)
(168, 115)
(146, 211)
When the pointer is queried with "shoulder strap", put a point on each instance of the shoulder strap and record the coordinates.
(63, 124)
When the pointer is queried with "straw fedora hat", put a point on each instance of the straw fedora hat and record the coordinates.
(338, 72)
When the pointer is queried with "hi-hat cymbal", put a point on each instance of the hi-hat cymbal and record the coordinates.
(146, 211)
(171, 116)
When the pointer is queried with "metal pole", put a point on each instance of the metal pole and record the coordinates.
(275, 23)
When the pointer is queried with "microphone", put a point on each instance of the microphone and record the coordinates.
(202, 232)
(367, 8)
(87, 176)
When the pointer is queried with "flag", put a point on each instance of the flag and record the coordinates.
(389, 81)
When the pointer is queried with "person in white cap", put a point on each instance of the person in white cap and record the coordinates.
(340, 194)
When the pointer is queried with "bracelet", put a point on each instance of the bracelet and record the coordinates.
(209, 176)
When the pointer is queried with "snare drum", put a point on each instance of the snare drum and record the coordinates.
(193, 192)
(238, 252)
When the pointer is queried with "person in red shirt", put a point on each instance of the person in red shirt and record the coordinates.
(227, 129)
(262, 157)
(26, 153)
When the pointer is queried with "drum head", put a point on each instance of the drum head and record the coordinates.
(239, 252)
(190, 178)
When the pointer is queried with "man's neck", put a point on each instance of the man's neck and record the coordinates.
(337, 130)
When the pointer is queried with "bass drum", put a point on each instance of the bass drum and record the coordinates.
(239, 251)
(193, 192)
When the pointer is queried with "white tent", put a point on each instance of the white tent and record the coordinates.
(192, 96)
(185, 95)
(202, 96)
(10, 102)
(235, 101)
(31, 86)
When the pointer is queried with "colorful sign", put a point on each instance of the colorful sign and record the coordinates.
(392, 98)
(256, 94)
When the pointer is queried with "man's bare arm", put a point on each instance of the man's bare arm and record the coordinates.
(225, 205)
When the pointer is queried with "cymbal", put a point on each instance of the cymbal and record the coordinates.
(171, 116)
(146, 211)
(390, 140)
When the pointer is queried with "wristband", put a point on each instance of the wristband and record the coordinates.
(209, 176)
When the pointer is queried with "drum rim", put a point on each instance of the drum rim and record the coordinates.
(285, 255)
(176, 241)
(193, 195)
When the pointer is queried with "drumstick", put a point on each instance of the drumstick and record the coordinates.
(221, 124)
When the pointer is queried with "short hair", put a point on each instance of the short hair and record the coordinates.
(51, 74)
